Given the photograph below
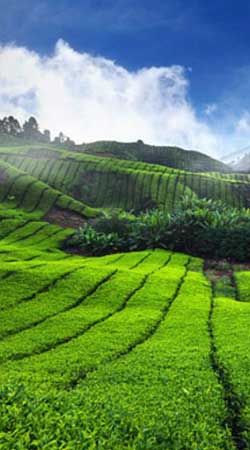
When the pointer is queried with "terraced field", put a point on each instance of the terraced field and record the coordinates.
(138, 350)
(143, 350)
(111, 183)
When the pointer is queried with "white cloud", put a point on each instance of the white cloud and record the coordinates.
(92, 98)
(243, 124)
(211, 108)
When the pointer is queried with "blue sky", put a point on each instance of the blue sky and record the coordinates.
(209, 39)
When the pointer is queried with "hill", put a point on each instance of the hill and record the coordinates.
(118, 350)
(167, 156)
(13, 133)
(102, 182)
(132, 350)
(21, 190)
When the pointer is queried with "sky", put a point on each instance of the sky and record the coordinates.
(170, 72)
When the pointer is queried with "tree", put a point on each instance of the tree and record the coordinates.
(60, 139)
(63, 140)
(30, 132)
(69, 142)
(31, 129)
(14, 126)
(46, 136)
(10, 125)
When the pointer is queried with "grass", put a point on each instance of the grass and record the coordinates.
(129, 342)
(143, 350)
(242, 279)
(231, 337)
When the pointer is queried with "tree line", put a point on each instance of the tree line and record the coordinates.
(29, 131)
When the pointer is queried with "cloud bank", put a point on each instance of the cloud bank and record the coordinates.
(92, 98)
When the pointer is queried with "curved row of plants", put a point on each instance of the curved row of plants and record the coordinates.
(202, 228)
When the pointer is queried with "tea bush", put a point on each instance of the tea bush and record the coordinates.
(200, 227)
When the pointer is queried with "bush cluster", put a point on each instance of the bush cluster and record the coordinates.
(199, 227)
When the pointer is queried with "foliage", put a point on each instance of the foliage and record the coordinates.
(28, 132)
(114, 222)
(242, 280)
(114, 352)
(200, 227)
(24, 191)
(126, 185)
(162, 393)
(96, 243)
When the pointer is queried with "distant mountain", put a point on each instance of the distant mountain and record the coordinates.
(175, 157)
(242, 164)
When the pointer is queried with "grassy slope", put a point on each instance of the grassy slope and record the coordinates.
(137, 151)
(111, 183)
(105, 324)
(21, 190)
(114, 352)
(129, 350)
(168, 156)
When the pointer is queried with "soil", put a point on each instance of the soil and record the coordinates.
(217, 269)
(64, 218)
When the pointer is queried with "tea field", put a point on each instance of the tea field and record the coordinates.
(102, 182)
(141, 350)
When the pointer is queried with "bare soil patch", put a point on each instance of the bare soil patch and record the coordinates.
(64, 218)
(223, 268)
(217, 269)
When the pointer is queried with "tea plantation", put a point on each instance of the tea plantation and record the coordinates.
(103, 182)
(140, 350)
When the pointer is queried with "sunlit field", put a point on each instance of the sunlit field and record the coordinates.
(136, 350)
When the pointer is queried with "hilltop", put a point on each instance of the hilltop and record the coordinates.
(175, 157)
(12, 133)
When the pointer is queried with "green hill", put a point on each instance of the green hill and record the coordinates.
(167, 156)
(112, 183)
(21, 190)
(124, 351)
(143, 350)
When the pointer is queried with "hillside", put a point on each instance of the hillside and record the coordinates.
(167, 156)
(143, 336)
(174, 157)
(22, 190)
(138, 343)
(101, 182)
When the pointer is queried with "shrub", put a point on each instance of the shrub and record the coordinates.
(118, 223)
(200, 227)
(93, 243)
